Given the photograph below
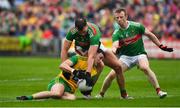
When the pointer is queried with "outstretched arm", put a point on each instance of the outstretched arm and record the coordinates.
(156, 41)
(152, 37)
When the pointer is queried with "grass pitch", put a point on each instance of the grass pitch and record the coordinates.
(27, 75)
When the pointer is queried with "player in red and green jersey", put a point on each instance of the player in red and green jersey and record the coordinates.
(87, 42)
(64, 85)
(130, 40)
(129, 46)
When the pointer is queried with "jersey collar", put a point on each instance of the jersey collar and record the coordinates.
(126, 27)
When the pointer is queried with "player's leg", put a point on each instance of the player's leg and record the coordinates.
(144, 66)
(108, 80)
(68, 96)
(106, 84)
(57, 91)
(99, 68)
(112, 61)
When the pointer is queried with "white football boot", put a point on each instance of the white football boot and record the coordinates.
(162, 94)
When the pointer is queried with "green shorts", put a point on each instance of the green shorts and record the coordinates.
(61, 81)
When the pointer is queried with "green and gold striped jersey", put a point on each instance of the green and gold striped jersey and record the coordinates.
(79, 63)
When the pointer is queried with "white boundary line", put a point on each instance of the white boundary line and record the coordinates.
(28, 79)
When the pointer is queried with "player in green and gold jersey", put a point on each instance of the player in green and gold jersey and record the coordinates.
(129, 46)
(65, 84)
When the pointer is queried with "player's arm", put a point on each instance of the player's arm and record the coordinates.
(115, 46)
(65, 48)
(117, 42)
(94, 44)
(151, 36)
(156, 41)
(66, 45)
(91, 56)
(66, 66)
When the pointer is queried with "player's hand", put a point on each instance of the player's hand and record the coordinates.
(165, 48)
(79, 74)
(89, 81)
(66, 75)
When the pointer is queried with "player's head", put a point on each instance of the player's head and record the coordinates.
(81, 25)
(120, 16)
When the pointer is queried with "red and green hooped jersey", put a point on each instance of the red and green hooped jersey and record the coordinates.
(130, 39)
(82, 43)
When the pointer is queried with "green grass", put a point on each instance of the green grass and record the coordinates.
(27, 75)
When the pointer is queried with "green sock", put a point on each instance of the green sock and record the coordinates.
(30, 97)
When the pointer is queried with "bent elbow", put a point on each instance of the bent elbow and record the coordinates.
(61, 66)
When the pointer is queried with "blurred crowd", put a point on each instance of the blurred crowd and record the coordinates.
(43, 20)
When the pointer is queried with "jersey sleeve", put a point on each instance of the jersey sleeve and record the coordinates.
(74, 59)
(70, 34)
(94, 33)
(141, 29)
(95, 39)
(115, 36)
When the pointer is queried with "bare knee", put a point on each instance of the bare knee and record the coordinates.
(100, 66)
(68, 96)
(117, 68)
(145, 69)
(72, 97)
(111, 61)
(56, 94)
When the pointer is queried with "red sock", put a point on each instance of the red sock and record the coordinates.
(123, 93)
(157, 90)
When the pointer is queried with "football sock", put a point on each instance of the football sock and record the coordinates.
(157, 90)
(30, 97)
(123, 93)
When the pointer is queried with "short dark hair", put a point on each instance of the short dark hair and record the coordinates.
(80, 23)
(121, 10)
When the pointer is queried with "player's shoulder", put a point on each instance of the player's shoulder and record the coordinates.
(74, 58)
(92, 28)
(135, 24)
(73, 30)
(91, 25)
(115, 31)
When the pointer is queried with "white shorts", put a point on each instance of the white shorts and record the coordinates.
(102, 47)
(131, 61)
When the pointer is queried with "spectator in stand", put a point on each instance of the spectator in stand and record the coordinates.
(154, 13)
